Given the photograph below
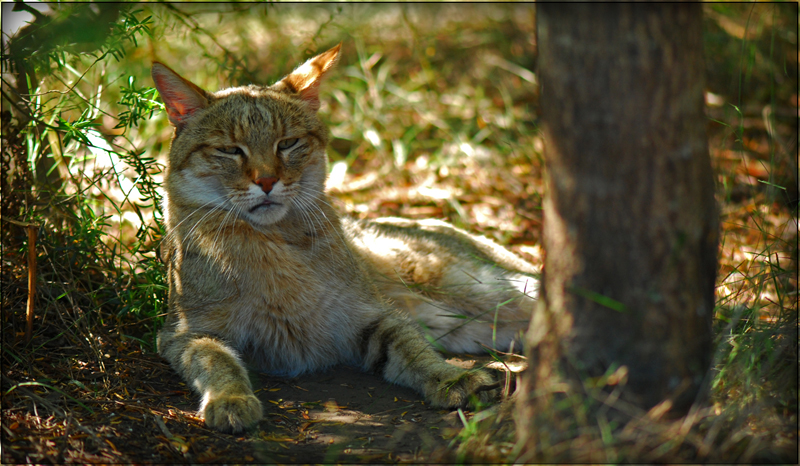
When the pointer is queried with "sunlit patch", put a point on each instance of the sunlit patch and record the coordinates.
(205, 399)
(435, 193)
(346, 417)
(337, 175)
(509, 366)
(372, 136)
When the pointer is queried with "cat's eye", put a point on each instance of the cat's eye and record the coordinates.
(232, 150)
(287, 143)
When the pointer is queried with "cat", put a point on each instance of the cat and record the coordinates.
(263, 271)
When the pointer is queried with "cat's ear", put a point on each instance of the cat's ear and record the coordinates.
(181, 98)
(306, 78)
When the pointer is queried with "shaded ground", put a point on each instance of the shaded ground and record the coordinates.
(138, 410)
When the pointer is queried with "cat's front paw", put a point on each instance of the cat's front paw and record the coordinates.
(231, 413)
(460, 389)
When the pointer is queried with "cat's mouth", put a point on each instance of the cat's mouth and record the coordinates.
(263, 205)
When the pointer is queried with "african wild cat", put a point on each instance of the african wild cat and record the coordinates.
(263, 270)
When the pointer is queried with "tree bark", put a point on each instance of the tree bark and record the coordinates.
(630, 220)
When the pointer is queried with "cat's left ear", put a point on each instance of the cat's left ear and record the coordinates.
(305, 80)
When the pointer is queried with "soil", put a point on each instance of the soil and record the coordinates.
(148, 415)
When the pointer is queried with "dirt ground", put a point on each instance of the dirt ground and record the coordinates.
(144, 413)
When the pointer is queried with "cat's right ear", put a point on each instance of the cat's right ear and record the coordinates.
(181, 98)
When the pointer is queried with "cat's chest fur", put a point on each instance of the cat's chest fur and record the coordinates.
(284, 296)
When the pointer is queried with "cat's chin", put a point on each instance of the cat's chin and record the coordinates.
(264, 215)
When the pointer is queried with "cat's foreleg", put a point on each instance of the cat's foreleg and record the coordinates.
(216, 371)
(394, 347)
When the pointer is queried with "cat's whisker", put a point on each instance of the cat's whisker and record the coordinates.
(321, 196)
(220, 226)
(190, 235)
(229, 271)
(304, 205)
(345, 244)
(309, 223)
(224, 221)
(173, 229)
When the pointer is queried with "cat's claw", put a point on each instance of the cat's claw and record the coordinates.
(231, 413)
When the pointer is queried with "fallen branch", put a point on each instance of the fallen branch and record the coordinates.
(31, 281)
(32, 230)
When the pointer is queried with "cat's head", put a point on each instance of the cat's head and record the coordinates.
(257, 152)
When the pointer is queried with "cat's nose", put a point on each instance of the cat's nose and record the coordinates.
(266, 183)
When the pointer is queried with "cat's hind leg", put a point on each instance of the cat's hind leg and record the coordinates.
(394, 347)
(472, 310)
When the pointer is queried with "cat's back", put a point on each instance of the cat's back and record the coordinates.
(430, 244)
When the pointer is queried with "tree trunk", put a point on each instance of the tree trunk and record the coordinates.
(630, 221)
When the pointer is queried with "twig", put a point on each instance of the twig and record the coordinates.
(32, 230)
(70, 88)
(20, 224)
(162, 426)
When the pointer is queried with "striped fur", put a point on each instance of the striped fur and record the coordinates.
(263, 271)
